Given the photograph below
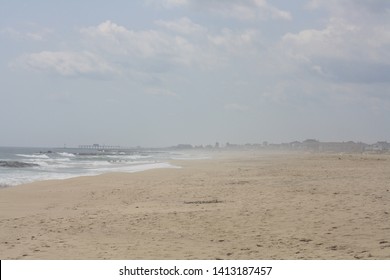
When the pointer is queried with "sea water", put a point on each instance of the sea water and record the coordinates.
(61, 163)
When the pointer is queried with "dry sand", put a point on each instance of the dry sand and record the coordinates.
(238, 206)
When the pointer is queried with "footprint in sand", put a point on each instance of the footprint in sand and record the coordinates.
(305, 240)
(384, 244)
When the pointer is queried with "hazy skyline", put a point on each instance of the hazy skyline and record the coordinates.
(159, 73)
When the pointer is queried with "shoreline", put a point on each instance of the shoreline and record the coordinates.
(234, 206)
(62, 176)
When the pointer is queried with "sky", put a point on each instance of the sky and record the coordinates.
(157, 73)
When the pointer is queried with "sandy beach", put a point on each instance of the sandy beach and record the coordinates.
(242, 205)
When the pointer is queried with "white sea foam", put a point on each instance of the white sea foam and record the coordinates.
(66, 154)
(94, 163)
(32, 156)
(62, 164)
(41, 163)
(60, 160)
(24, 177)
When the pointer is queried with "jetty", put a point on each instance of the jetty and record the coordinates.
(101, 147)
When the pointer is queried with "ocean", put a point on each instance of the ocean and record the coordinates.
(25, 165)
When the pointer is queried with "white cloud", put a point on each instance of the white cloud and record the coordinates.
(244, 9)
(371, 21)
(237, 9)
(115, 39)
(348, 56)
(110, 49)
(328, 42)
(183, 25)
(174, 3)
(351, 8)
(189, 44)
(271, 11)
(237, 42)
(31, 32)
(66, 63)
(167, 4)
(343, 49)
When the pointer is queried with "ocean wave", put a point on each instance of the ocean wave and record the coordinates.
(22, 177)
(62, 164)
(29, 178)
(64, 154)
(94, 163)
(32, 156)
(39, 162)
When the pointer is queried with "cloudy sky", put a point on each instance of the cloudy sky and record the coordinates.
(163, 72)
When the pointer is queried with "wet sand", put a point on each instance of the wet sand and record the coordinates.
(243, 205)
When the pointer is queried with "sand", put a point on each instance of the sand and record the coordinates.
(246, 205)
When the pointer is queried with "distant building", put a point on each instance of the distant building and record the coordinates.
(381, 146)
(311, 144)
(296, 145)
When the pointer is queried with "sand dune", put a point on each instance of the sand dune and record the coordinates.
(244, 205)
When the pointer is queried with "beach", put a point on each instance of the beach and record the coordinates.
(235, 205)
